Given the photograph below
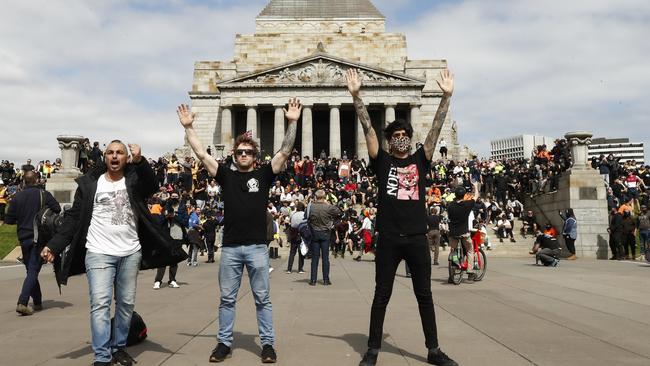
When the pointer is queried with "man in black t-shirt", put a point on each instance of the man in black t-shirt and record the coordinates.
(458, 212)
(245, 194)
(402, 217)
(547, 250)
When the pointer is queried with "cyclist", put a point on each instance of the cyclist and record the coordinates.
(459, 211)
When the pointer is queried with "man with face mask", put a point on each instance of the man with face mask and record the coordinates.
(402, 218)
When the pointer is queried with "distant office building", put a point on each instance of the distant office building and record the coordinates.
(619, 147)
(517, 147)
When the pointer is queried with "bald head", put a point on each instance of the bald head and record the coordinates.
(320, 194)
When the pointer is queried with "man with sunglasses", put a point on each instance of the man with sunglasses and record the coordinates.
(401, 217)
(245, 193)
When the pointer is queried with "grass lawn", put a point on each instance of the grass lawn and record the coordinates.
(8, 239)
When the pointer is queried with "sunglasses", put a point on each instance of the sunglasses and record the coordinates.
(240, 152)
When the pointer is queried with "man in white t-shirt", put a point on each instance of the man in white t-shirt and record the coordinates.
(111, 235)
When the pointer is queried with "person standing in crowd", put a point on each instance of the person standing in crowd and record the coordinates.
(401, 218)
(210, 234)
(443, 148)
(112, 236)
(245, 194)
(433, 233)
(177, 232)
(628, 228)
(570, 232)
(22, 210)
(459, 211)
(3, 201)
(321, 219)
(615, 231)
(643, 227)
(295, 221)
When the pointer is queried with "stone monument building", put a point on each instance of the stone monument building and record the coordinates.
(303, 48)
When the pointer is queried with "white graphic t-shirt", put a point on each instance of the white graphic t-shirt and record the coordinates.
(113, 228)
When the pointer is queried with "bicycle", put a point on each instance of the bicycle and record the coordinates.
(480, 261)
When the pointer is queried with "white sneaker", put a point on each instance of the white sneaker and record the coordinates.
(173, 284)
(195, 264)
(156, 285)
(271, 269)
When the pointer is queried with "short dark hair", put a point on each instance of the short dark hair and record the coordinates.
(246, 139)
(396, 125)
(30, 178)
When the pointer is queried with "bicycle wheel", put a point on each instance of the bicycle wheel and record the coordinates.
(480, 272)
(455, 272)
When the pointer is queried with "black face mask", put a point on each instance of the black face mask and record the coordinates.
(626, 214)
(174, 201)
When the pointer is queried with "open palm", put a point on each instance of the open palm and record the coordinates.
(446, 82)
(293, 112)
(353, 80)
(185, 115)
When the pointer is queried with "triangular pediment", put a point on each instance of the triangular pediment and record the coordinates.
(319, 70)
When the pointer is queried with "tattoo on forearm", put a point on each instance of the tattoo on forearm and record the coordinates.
(289, 138)
(364, 117)
(438, 121)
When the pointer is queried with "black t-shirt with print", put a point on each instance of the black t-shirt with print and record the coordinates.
(401, 193)
(245, 196)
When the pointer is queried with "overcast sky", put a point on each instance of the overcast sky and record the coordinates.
(117, 69)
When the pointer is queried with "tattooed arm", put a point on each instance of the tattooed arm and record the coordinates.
(447, 85)
(292, 114)
(186, 118)
(354, 86)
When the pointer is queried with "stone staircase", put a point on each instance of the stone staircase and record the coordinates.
(519, 249)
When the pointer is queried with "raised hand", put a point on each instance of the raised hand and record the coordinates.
(185, 115)
(293, 113)
(353, 80)
(446, 82)
(136, 153)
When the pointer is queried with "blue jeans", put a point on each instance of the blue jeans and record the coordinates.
(231, 268)
(106, 275)
(31, 287)
(320, 246)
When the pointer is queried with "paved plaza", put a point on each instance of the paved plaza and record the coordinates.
(582, 313)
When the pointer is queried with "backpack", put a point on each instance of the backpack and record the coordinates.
(137, 330)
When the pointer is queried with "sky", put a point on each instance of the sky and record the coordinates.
(118, 69)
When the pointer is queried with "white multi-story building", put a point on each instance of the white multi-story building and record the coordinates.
(619, 147)
(517, 147)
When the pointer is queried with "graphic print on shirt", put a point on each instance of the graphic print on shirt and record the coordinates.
(403, 182)
(253, 185)
(116, 205)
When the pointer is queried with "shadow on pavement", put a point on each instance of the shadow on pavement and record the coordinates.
(358, 342)
(246, 342)
(134, 351)
(50, 304)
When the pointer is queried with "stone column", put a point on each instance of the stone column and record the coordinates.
(579, 142)
(278, 128)
(335, 131)
(251, 120)
(226, 129)
(62, 184)
(307, 139)
(390, 113)
(362, 146)
(415, 122)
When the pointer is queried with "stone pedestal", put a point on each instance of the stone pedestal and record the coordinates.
(580, 188)
(62, 184)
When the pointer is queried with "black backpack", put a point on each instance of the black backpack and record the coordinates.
(137, 331)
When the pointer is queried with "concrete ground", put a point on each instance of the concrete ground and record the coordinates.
(585, 312)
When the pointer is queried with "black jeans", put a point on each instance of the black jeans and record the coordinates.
(33, 263)
(295, 247)
(320, 246)
(160, 273)
(209, 243)
(570, 244)
(391, 249)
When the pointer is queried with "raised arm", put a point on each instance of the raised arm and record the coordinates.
(186, 118)
(292, 114)
(354, 86)
(446, 83)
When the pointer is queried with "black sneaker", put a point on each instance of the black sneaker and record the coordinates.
(122, 358)
(100, 363)
(437, 357)
(220, 353)
(370, 358)
(268, 354)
